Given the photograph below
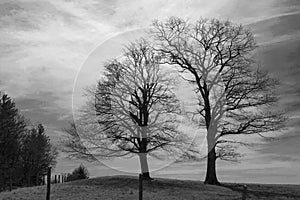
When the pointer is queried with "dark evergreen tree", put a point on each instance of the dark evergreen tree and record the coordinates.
(38, 154)
(12, 128)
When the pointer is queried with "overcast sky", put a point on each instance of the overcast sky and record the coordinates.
(46, 44)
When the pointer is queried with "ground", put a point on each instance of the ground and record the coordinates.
(126, 188)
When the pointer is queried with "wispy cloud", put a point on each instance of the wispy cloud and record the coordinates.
(45, 43)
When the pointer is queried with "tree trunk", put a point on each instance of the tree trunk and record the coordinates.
(28, 180)
(37, 179)
(143, 154)
(144, 166)
(10, 181)
(211, 176)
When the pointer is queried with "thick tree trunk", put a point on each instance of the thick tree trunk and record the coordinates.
(211, 176)
(144, 166)
(143, 154)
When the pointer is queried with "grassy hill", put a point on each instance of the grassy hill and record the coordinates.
(126, 188)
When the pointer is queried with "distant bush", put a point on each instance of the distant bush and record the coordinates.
(79, 173)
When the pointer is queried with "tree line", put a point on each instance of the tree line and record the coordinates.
(134, 109)
(78, 173)
(25, 149)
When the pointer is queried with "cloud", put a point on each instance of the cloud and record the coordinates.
(44, 107)
(44, 44)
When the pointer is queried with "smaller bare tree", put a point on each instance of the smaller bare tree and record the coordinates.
(134, 111)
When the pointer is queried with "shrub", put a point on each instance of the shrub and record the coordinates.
(79, 173)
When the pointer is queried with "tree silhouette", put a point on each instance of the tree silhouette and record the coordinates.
(25, 153)
(79, 173)
(37, 155)
(234, 96)
(12, 129)
(135, 110)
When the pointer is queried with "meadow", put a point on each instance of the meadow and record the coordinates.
(126, 188)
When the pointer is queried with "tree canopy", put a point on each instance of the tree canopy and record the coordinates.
(134, 109)
(234, 94)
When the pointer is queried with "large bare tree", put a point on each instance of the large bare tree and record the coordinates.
(134, 110)
(234, 95)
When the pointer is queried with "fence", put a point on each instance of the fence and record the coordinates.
(55, 178)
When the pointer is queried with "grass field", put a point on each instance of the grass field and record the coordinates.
(126, 188)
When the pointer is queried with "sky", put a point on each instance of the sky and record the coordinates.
(49, 50)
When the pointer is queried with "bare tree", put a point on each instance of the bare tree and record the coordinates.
(134, 108)
(234, 96)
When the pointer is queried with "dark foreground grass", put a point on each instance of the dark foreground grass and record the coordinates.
(126, 188)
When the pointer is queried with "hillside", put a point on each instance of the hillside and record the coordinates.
(125, 188)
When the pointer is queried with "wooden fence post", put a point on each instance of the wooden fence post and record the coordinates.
(244, 192)
(48, 183)
(140, 187)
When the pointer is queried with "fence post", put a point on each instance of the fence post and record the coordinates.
(55, 178)
(244, 192)
(48, 183)
(140, 187)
